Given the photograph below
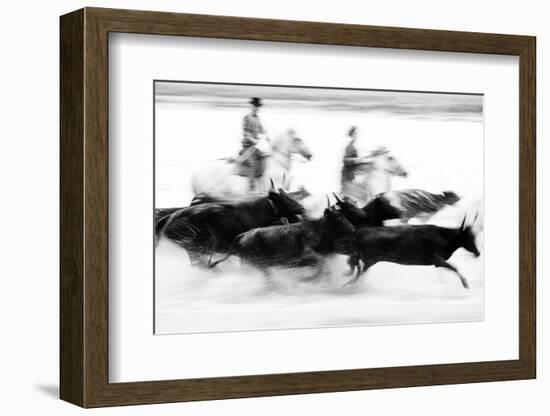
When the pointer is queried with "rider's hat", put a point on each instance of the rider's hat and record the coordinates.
(256, 102)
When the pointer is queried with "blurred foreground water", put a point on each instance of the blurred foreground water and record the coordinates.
(236, 297)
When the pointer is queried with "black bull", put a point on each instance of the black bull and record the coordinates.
(207, 228)
(301, 244)
(413, 245)
(371, 215)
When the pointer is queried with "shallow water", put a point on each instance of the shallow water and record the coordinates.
(236, 297)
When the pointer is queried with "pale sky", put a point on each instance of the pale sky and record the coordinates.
(440, 106)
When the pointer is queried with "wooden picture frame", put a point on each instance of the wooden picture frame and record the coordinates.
(84, 207)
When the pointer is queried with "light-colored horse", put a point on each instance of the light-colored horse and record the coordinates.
(375, 176)
(371, 178)
(219, 178)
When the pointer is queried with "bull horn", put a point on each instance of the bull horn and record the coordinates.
(477, 215)
(463, 222)
(336, 196)
(328, 201)
(272, 184)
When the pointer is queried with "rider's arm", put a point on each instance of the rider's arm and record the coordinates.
(350, 157)
(353, 161)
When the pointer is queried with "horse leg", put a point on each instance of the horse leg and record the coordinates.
(442, 263)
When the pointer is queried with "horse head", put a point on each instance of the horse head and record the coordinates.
(394, 167)
(290, 143)
(382, 161)
(299, 147)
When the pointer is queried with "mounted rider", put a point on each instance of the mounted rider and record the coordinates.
(251, 158)
(354, 165)
(351, 162)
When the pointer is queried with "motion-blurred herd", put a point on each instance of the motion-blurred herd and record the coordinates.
(274, 230)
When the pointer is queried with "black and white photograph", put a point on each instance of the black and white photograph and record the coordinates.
(295, 207)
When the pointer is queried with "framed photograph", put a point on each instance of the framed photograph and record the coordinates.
(255, 207)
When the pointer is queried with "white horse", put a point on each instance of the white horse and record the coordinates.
(220, 179)
(375, 176)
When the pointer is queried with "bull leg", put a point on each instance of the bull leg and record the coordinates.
(360, 271)
(353, 263)
(351, 266)
(211, 264)
(196, 259)
(313, 259)
(350, 271)
(446, 265)
(320, 269)
(269, 282)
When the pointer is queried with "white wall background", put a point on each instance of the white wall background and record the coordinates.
(29, 212)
